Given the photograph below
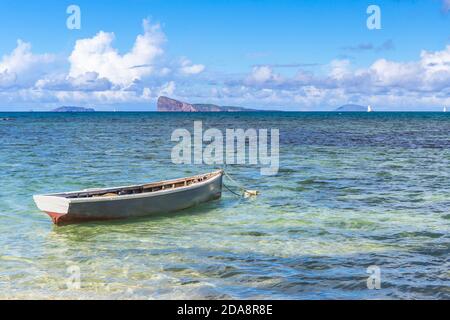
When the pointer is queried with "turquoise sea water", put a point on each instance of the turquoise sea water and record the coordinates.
(353, 190)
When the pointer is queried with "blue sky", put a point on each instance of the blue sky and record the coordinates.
(292, 55)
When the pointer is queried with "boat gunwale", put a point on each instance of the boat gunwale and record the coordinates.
(213, 177)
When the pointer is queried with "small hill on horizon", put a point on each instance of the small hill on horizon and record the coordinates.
(166, 104)
(72, 109)
(351, 108)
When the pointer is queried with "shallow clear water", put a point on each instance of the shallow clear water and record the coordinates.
(354, 190)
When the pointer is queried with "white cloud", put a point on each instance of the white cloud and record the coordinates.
(97, 73)
(436, 66)
(89, 81)
(261, 75)
(424, 82)
(21, 59)
(98, 55)
(430, 74)
(188, 68)
(339, 69)
(22, 67)
(167, 89)
(7, 79)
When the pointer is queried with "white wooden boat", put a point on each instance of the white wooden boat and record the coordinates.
(131, 201)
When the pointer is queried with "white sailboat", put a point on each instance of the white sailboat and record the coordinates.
(445, 109)
(369, 109)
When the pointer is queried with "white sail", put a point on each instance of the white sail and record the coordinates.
(445, 109)
(369, 109)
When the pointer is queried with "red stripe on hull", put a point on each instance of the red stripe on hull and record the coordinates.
(65, 219)
(56, 217)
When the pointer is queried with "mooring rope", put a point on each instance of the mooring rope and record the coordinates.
(245, 192)
(235, 193)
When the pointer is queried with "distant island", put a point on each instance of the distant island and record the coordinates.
(73, 109)
(166, 104)
(351, 108)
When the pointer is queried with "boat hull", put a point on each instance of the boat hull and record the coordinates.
(118, 208)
